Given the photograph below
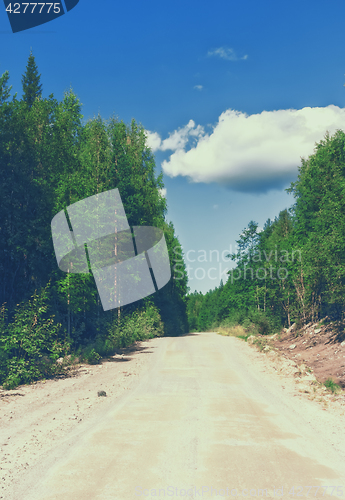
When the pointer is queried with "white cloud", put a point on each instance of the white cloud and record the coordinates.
(226, 53)
(163, 192)
(198, 87)
(250, 153)
(153, 140)
(177, 140)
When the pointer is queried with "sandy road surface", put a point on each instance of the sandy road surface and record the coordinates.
(203, 420)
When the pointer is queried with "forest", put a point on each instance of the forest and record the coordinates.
(293, 270)
(49, 159)
(290, 271)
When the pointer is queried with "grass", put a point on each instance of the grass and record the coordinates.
(234, 331)
(260, 343)
(332, 386)
(244, 337)
(243, 333)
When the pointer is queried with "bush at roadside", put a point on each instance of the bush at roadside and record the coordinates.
(29, 344)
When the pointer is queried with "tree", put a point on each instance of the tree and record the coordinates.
(26, 201)
(133, 173)
(320, 227)
(32, 89)
(48, 161)
(5, 90)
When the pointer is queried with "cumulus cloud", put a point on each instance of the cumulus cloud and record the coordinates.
(177, 140)
(249, 153)
(163, 192)
(198, 87)
(226, 53)
(153, 140)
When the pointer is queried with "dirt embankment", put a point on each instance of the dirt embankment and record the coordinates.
(321, 346)
(311, 355)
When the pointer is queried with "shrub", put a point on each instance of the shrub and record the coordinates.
(105, 346)
(91, 356)
(139, 325)
(29, 345)
(264, 323)
(332, 386)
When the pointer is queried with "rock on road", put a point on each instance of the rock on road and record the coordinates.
(202, 421)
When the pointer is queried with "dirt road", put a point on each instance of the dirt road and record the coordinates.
(203, 420)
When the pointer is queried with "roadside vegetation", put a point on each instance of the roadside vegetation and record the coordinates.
(50, 159)
(332, 386)
(293, 270)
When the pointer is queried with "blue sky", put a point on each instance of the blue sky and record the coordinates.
(232, 94)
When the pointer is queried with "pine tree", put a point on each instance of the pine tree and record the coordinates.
(5, 90)
(32, 87)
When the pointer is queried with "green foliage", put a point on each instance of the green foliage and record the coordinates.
(170, 300)
(264, 323)
(30, 343)
(293, 270)
(5, 90)
(332, 386)
(139, 325)
(32, 89)
(244, 337)
(132, 171)
(123, 331)
(91, 356)
(49, 160)
(319, 226)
